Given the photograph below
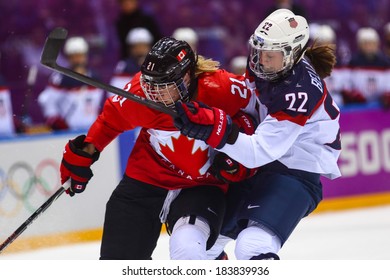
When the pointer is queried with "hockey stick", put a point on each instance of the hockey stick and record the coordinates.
(29, 221)
(51, 49)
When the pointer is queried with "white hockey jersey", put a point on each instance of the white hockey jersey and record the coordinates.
(299, 126)
(370, 81)
(7, 127)
(77, 103)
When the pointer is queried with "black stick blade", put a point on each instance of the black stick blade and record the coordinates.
(53, 45)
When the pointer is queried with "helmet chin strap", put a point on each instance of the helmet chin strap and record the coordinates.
(302, 53)
(192, 88)
(183, 90)
(188, 91)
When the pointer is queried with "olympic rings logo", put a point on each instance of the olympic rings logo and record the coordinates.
(26, 186)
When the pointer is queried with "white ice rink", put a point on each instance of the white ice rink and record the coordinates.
(362, 234)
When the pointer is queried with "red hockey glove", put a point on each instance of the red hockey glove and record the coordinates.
(227, 169)
(245, 122)
(199, 121)
(76, 165)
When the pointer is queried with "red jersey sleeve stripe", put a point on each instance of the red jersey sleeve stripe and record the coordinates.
(282, 116)
(299, 119)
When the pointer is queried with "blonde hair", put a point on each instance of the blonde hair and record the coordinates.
(205, 65)
(322, 57)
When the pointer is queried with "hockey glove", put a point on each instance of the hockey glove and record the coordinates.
(228, 170)
(76, 165)
(245, 122)
(199, 121)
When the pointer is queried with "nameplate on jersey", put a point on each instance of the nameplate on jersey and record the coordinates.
(315, 79)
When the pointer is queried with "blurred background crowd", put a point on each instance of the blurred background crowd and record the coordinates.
(109, 38)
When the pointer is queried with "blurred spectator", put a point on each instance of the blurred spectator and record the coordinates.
(131, 16)
(238, 65)
(187, 34)
(322, 33)
(339, 80)
(66, 102)
(288, 4)
(386, 40)
(139, 42)
(369, 70)
(7, 127)
(369, 53)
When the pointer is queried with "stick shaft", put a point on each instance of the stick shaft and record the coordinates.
(51, 50)
(117, 91)
(29, 221)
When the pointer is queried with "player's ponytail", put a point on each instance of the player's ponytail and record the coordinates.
(205, 65)
(322, 57)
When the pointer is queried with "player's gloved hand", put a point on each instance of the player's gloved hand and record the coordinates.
(76, 165)
(228, 170)
(199, 121)
(245, 122)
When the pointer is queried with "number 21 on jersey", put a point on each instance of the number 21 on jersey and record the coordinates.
(241, 90)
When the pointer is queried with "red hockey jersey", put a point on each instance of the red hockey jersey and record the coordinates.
(161, 155)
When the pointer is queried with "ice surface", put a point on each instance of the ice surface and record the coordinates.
(351, 235)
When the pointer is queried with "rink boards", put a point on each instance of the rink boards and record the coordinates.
(29, 173)
(364, 161)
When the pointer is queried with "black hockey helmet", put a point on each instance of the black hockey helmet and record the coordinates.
(164, 69)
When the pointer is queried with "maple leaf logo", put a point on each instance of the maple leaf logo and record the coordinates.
(184, 157)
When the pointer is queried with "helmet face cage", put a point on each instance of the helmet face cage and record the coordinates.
(257, 46)
(165, 93)
(281, 31)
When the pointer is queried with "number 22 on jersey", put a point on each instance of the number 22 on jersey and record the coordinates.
(297, 101)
